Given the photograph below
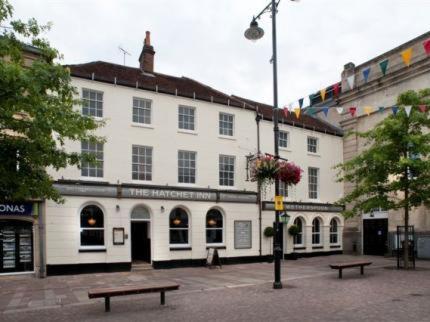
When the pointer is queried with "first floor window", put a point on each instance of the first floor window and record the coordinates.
(283, 189)
(316, 231)
(92, 103)
(186, 118)
(92, 226)
(226, 170)
(298, 239)
(141, 111)
(283, 139)
(95, 168)
(186, 167)
(334, 233)
(178, 224)
(141, 162)
(313, 174)
(214, 227)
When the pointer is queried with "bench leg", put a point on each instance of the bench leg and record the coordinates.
(361, 270)
(162, 298)
(340, 272)
(107, 304)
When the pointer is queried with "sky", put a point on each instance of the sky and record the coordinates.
(203, 39)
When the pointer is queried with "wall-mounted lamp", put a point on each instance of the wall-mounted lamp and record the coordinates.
(162, 208)
(117, 208)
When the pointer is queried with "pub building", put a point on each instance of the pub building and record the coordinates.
(171, 180)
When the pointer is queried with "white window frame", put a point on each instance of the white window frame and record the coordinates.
(100, 161)
(96, 101)
(188, 229)
(311, 146)
(313, 194)
(285, 139)
(334, 233)
(193, 117)
(225, 131)
(141, 110)
(143, 164)
(301, 233)
(222, 228)
(98, 247)
(283, 189)
(220, 178)
(189, 168)
(317, 233)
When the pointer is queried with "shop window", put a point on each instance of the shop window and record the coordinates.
(179, 227)
(214, 227)
(92, 227)
(298, 239)
(334, 231)
(316, 231)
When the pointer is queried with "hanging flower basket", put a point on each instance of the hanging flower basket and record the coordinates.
(289, 173)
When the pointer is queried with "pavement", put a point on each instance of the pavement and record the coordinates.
(312, 292)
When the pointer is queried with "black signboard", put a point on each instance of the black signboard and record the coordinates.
(16, 209)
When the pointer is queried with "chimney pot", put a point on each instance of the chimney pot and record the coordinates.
(146, 58)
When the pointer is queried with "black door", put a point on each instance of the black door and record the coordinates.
(375, 236)
(140, 242)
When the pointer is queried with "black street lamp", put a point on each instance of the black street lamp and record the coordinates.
(254, 32)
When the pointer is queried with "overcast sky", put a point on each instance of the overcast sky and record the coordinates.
(203, 39)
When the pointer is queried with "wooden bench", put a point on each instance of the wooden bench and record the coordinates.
(109, 292)
(341, 266)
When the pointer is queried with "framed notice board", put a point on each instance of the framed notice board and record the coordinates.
(242, 234)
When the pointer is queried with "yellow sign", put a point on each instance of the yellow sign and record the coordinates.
(279, 203)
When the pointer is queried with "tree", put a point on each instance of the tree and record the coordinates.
(37, 114)
(393, 172)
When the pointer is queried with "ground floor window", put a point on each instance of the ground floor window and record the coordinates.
(179, 227)
(316, 231)
(214, 227)
(298, 239)
(334, 232)
(92, 227)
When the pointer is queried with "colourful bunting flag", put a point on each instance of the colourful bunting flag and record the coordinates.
(322, 93)
(301, 102)
(395, 109)
(366, 73)
(422, 108)
(325, 110)
(336, 88)
(339, 109)
(407, 56)
(297, 112)
(368, 110)
(286, 111)
(381, 109)
(311, 96)
(310, 110)
(426, 45)
(352, 110)
(408, 109)
(350, 80)
(384, 66)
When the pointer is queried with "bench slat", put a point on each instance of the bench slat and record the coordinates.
(126, 290)
(349, 265)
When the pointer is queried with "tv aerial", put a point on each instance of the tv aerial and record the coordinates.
(124, 52)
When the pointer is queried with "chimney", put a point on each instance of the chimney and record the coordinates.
(146, 58)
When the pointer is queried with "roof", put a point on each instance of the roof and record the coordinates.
(187, 87)
(305, 121)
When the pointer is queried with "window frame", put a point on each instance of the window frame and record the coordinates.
(311, 145)
(190, 169)
(316, 184)
(283, 189)
(222, 229)
(334, 233)
(287, 140)
(194, 118)
(84, 99)
(81, 229)
(224, 122)
(317, 233)
(227, 172)
(98, 166)
(145, 157)
(188, 229)
(301, 233)
(142, 109)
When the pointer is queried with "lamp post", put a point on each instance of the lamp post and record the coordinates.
(254, 32)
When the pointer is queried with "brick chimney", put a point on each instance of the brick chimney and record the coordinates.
(146, 58)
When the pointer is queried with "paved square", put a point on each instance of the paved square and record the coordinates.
(234, 293)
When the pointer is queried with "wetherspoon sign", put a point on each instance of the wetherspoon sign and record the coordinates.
(16, 209)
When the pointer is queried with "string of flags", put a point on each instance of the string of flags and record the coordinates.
(384, 65)
(353, 110)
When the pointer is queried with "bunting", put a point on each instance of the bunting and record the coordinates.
(422, 108)
(325, 110)
(407, 56)
(322, 93)
(426, 45)
(366, 73)
(350, 80)
(395, 109)
(408, 109)
(336, 89)
(286, 111)
(352, 111)
(339, 109)
(381, 109)
(368, 110)
(384, 66)
(297, 112)
(301, 102)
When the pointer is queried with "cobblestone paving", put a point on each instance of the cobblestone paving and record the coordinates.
(234, 293)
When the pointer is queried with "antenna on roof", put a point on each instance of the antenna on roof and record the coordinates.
(124, 52)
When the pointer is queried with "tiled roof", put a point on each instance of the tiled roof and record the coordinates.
(187, 87)
(304, 121)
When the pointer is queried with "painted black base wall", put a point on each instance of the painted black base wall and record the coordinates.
(202, 262)
(69, 269)
(313, 254)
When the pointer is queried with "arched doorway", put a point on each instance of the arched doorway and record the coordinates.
(140, 234)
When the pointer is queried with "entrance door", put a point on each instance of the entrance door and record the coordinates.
(140, 241)
(375, 236)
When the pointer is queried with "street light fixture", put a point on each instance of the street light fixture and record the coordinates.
(253, 33)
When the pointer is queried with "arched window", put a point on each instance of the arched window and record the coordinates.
(140, 213)
(179, 226)
(334, 231)
(298, 239)
(92, 227)
(214, 227)
(316, 231)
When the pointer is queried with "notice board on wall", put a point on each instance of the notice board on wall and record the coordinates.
(243, 234)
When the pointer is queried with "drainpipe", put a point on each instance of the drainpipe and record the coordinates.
(42, 249)
(257, 120)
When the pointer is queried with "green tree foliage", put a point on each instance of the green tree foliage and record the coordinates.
(393, 171)
(37, 114)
